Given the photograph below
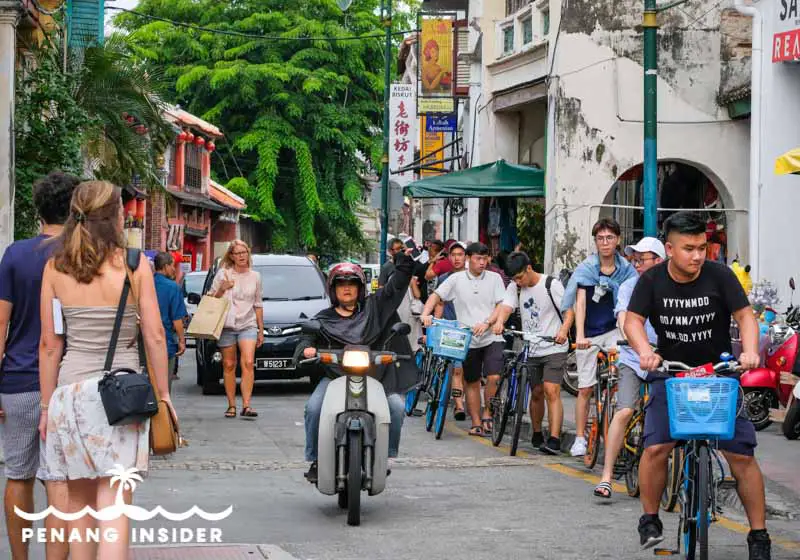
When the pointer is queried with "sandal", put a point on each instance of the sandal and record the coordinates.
(458, 412)
(248, 412)
(487, 424)
(231, 412)
(603, 491)
(477, 431)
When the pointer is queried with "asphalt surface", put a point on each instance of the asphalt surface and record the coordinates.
(454, 498)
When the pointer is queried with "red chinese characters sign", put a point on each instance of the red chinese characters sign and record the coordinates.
(402, 131)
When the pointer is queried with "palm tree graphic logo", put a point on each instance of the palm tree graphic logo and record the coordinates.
(125, 479)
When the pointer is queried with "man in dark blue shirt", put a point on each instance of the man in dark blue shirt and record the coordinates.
(21, 270)
(172, 307)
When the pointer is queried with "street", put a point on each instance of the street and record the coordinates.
(457, 497)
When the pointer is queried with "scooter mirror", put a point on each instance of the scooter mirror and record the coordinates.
(791, 283)
(403, 329)
(312, 327)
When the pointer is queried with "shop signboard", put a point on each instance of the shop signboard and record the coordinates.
(436, 50)
(402, 131)
(440, 123)
(436, 105)
(431, 144)
(786, 39)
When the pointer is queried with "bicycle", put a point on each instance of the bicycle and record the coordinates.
(514, 388)
(627, 464)
(424, 360)
(448, 341)
(605, 392)
(703, 407)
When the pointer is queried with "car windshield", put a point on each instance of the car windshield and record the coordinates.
(291, 283)
(194, 283)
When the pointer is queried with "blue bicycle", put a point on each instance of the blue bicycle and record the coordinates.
(448, 341)
(702, 410)
(513, 392)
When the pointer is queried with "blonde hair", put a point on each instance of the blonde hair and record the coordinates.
(92, 232)
(228, 260)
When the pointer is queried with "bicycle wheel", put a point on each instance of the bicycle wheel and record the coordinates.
(433, 397)
(688, 504)
(703, 500)
(501, 408)
(634, 436)
(519, 408)
(412, 397)
(669, 499)
(444, 401)
(593, 429)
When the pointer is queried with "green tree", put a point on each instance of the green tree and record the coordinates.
(530, 228)
(302, 118)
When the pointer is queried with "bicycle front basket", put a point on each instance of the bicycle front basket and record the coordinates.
(702, 407)
(447, 340)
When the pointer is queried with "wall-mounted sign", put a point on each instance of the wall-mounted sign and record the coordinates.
(786, 40)
(431, 150)
(402, 131)
(436, 57)
(427, 105)
(440, 123)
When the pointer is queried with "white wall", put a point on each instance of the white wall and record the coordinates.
(780, 195)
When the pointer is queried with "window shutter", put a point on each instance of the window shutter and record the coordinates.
(85, 22)
(462, 64)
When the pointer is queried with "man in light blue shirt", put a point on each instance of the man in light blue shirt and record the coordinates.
(646, 254)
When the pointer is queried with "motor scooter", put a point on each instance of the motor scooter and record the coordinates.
(771, 386)
(353, 443)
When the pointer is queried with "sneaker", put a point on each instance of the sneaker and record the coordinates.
(311, 475)
(760, 545)
(552, 447)
(650, 531)
(537, 439)
(578, 448)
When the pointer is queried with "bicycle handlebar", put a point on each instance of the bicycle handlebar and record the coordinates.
(730, 366)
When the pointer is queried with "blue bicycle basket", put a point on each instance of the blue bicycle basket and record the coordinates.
(448, 340)
(702, 408)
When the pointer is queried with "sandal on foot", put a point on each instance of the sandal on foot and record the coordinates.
(477, 431)
(231, 412)
(487, 424)
(459, 414)
(248, 412)
(458, 411)
(603, 491)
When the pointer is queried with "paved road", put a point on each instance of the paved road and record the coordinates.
(458, 497)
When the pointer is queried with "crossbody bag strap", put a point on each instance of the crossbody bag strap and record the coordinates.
(112, 345)
(547, 283)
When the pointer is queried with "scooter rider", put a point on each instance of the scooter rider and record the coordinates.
(356, 319)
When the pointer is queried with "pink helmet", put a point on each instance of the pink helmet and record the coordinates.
(346, 271)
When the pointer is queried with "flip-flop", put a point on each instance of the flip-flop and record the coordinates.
(603, 491)
(477, 431)
(248, 412)
(460, 414)
(231, 412)
(487, 424)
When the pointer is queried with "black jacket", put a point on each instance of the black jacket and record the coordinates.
(371, 326)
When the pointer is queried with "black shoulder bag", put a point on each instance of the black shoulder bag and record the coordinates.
(127, 395)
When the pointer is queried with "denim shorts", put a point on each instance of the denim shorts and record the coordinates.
(656, 425)
(230, 337)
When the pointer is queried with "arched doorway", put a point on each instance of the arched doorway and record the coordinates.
(680, 186)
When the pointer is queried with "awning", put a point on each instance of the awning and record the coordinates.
(788, 163)
(196, 200)
(491, 180)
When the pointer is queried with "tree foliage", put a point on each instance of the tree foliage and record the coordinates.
(530, 228)
(301, 118)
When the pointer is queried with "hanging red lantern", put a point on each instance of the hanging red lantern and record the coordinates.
(199, 141)
(210, 146)
(189, 137)
(182, 136)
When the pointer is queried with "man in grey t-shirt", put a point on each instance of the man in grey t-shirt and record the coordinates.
(476, 294)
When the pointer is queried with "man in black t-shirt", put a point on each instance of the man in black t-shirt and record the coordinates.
(689, 303)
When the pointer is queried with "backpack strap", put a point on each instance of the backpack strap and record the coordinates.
(547, 283)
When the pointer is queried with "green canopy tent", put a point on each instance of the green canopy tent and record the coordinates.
(498, 179)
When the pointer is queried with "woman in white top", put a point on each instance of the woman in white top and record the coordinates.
(244, 326)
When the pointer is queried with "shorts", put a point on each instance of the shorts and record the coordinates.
(482, 362)
(230, 337)
(548, 369)
(20, 431)
(587, 359)
(629, 387)
(656, 425)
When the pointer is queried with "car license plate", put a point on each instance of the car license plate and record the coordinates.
(271, 363)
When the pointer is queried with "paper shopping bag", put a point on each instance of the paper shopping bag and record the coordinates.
(209, 319)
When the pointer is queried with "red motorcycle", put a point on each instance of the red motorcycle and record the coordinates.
(771, 386)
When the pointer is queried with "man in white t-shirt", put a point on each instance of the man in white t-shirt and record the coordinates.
(476, 293)
(538, 297)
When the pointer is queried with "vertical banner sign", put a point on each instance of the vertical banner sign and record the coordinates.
(431, 148)
(402, 131)
(436, 57)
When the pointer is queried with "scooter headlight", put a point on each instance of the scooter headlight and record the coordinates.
(355, 359)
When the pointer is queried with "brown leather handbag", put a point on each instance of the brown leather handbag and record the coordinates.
(165, 435)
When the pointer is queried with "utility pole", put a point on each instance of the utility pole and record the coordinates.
(650, 25)
(386, 14)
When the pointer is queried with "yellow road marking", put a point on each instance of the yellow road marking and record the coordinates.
(573, 472)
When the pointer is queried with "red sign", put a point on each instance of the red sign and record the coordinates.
(786, 46)
(705, 370)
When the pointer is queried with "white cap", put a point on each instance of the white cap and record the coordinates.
(647, 245)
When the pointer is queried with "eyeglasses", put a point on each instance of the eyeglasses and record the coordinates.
(602, 239)
(240, 253)
(640, 261)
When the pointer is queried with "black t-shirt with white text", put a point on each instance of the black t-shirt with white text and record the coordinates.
(692, 320)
